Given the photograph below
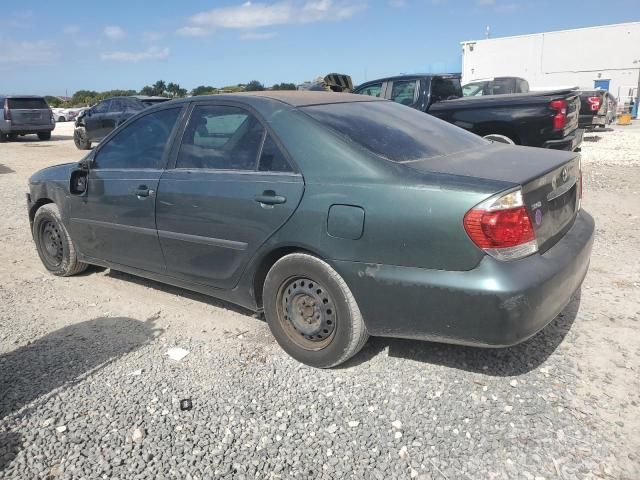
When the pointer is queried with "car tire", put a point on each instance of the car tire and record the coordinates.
(311, 312)
(44, 135)
(12, 136)
(496, 137)
(81, 139)
(54, 245)
(3, 137)
(61, 119)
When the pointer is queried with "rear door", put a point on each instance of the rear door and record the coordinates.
(232, 187)
(111, 118)
(29, 111)
(115, 219)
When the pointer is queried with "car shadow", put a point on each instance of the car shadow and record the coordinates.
(63, 356)
(190, 294)
(499, 362)
(34, 139)
(4, 169)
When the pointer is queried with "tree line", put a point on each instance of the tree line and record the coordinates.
(161, 88)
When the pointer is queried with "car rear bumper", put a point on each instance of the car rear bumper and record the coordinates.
(9, 127)
(571, 142)
(496, 304)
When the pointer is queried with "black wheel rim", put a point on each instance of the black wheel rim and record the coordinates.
(51, 243)
(307, 313)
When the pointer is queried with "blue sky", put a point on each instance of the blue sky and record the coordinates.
(51, 47)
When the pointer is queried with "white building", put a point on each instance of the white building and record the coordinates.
(607, 56)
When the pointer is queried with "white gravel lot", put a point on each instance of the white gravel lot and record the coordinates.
(87, 390)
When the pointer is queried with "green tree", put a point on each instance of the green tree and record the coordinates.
(204, 90)
(175, 91)
(284, 86)
(54, 102)
(253, 86)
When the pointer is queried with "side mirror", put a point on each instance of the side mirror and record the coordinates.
(78, 182)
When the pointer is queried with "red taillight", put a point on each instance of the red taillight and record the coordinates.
(560, 118)
(594, 103)
(500, 228)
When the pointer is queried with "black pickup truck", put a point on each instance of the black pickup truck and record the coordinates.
(535, 119)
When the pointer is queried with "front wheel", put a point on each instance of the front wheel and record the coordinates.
(53, 243)
(81, 138)
(496, 137)
(311, 311)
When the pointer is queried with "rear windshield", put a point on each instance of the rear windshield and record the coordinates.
(392, 131)
(27, 103)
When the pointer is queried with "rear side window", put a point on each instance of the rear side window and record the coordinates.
(272, 158)
(117, 105)
(392, 131)
(140, 144)
(26, 103)
(102, 107)
(443, 88)
(220, 137)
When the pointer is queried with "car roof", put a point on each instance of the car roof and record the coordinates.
(294, 98)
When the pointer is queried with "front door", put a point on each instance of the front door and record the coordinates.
(114, 220)
(93, 120)
(231, 189)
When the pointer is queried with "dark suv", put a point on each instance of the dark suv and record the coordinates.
(24, 114)
(97, 122)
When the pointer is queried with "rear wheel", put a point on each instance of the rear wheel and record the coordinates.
(61, 119)
(496, 137)
(3, 137)
(81, 139)
(12, 136)
(311, 311)
(54, 245)
(44, 135)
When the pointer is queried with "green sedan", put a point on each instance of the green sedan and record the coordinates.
(340, 216)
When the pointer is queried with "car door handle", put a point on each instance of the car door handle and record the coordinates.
(143, 191)
(270, 198)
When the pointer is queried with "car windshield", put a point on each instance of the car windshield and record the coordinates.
(27, 103)
(393, 131)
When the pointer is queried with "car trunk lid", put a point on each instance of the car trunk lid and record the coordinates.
(550, 181)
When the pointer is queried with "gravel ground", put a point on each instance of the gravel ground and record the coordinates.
(87, 389)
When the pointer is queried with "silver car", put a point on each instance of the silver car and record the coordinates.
(24, 115)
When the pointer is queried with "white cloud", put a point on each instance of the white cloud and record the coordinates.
(152, 53)
(256, 15)
(152, 36)
(27, 53)
(71, 29)
(485, 3)
(258, 35)
(114, 32)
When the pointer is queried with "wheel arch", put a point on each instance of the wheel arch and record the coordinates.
(36, 206)
(498, 128)
(267, 261)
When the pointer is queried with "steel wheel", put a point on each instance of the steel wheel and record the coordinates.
(52, 243)
(307, 313)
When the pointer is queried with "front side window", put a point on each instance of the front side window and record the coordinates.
(116, 105)
(404, 92)
(222, 138)
(473, 90)
(374, 90)
(141, 144)
(102, 107)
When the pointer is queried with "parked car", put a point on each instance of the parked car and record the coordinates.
(535, 119)
(495, 86)
(24, 115)
(97, 122)
(594, 109)
(333, 82)
(61, 114)
(339, 215)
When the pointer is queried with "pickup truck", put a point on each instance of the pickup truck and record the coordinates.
(597, 109)
(495, 86)
(535, 119)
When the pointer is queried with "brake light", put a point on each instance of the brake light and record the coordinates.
(7, 112)
(501, 227)
(560, 117)
(594, 103)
